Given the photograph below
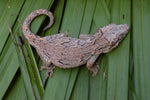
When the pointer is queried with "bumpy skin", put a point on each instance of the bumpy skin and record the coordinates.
(67, 52)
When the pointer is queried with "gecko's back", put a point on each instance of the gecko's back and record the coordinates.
(66, 52)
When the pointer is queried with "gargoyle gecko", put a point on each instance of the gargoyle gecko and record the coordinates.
(67, 52)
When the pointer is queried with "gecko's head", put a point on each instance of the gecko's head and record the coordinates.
(114, 33)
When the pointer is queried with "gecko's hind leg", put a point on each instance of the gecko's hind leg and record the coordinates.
(49, 67)
(93, 66)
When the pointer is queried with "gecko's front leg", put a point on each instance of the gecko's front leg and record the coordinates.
(93, 66)
(49, 67)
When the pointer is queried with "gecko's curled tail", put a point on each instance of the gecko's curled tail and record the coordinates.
(26, 25)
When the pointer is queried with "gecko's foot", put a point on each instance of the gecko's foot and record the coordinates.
(94, 69)
(50, 69)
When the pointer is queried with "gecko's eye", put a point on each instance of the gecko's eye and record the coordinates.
(121, 36)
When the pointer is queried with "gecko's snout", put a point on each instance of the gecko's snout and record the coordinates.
(123, 31)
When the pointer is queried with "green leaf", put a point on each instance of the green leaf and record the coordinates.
(34, 90)
(141, 48)
(8, 10)
(15, 88)
(8, 66)
(7, 71)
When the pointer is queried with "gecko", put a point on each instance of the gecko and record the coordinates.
(68, 52)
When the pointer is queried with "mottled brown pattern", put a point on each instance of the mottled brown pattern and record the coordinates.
(67, 52)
